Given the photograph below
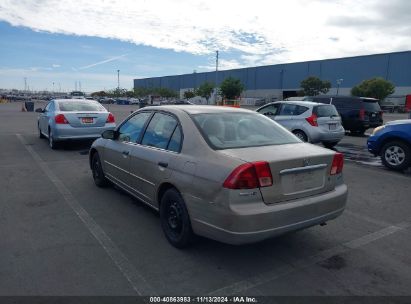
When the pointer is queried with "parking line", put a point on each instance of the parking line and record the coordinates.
(367, 219)
(244, 285)
(136, 280)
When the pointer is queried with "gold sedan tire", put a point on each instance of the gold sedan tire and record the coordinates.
(175, 219)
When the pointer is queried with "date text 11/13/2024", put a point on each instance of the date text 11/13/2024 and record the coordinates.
(203, 299)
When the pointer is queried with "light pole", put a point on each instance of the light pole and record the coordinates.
(118, 81)
(216, 77)
(339, 82)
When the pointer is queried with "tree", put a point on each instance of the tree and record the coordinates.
(231, 88)
(129, 93)
(377, 88)
(313, 86)
(141, 92)
(189, 94)
(165, 92)
(205, 90)
(99, 94)
(117, 92)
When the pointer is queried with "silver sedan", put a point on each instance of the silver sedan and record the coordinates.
(310, 121)
(227, 174)
(73, 119)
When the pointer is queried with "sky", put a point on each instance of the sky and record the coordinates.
(58, 45)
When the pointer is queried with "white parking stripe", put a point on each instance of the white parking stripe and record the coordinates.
(243, 286)
(137, 281)
(367, 219)
(369, 238)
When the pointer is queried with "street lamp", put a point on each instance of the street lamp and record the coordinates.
(216, 78)
(339, 82)
(118, 81)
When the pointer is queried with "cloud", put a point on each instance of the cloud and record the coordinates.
(35, 69)
(54, 65)
(222, 65)
(255, 30)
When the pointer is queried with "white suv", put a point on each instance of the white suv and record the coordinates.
(310, 121)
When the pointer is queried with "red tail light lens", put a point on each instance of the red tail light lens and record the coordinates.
(265, 179)
(250, 176)
(362, 114)
(60, 119)
(312, 120)
(110, 118)
(337, 165)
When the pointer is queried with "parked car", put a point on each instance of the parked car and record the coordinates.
(73, 119)
(260, 102)
(122, 101)
(134, 101)
(227, 174)
(392, 142)
(357, 113)
(311, 122)
(106, 100)
(180, 102)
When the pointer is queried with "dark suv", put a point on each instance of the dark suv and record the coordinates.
(357, 113)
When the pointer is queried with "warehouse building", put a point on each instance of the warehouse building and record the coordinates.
(283, 80)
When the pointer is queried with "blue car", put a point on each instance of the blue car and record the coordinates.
(393, 143)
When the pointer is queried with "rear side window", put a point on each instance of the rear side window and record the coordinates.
(301, 110)
(270, 110)
(175, 141)
(321, 99)
(74, 106)
(325, 111)
(47, 108)
(348, 103)
(371, 106)
(51, 107)
(292, 110)
(231, 130)
(160, 130)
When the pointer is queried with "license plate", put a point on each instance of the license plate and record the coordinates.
(87, 120)
(373, 115)
(302, 182)
(333, 126)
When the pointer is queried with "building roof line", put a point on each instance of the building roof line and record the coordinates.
(282, 64)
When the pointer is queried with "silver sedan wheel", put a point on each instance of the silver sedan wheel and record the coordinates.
(394, 155)
(301, 135)
(51, 140)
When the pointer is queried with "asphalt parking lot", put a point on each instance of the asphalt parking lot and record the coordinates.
(61, 235)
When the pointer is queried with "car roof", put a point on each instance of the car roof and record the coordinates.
(196, 109)
(359, 98)
(399, 122)
(299, 102)
(75, 99)
(369, 98)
